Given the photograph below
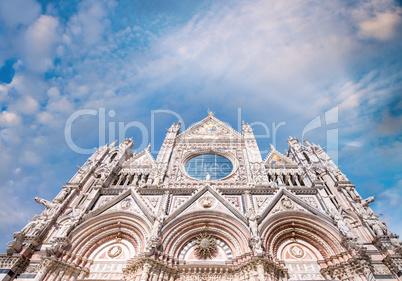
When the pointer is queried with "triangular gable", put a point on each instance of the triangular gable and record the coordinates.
(261, 202)
(236, 201)
(144, 158)
(153, 202)
(128, 201)
(210, 128)
(177, 201)
(284, 200)
(217, 201)
(274, 158)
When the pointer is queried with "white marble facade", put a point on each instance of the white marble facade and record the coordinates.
(126, 216)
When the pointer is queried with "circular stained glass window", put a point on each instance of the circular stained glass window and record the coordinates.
(210, 166)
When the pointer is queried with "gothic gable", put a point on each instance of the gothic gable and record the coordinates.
(286, 201)
(210, 128)
(153, 202)
(260, 202)
(128, 201)
(275, 158)
(207, 199)
(143, 159)
(177, 201)
(236, 201)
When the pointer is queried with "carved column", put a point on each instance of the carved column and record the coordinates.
(261, 272)
(249, 203)
(145, 272)
(45, 266)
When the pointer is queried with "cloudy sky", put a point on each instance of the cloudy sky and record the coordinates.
(330, 70)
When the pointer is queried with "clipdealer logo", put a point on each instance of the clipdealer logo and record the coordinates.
(109, 130)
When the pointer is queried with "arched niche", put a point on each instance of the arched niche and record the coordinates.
(88, 234)
(300, 258)
(320, 233)
(109, 258)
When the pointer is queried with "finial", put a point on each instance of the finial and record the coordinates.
(272, 147)
(210, 113)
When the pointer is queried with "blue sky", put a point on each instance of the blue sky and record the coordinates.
(265, 62)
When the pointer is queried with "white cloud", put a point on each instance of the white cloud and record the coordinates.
(382, 27)
(25, 83)
(3, 92)
(10, 137)
(89, 24)
(390, 125)
(392, 196)
(45, 117)
(9, 119)
(275, 51)
(15, 12)
(61, 105)
(388, 204)
(57, 103)
(40, 43)
(15, 211)
(26, 105)
(53, 93)
(30, 157)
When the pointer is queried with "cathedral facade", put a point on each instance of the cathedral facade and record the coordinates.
(207, 208)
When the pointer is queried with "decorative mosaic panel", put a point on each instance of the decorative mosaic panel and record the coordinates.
(153, 202)
(102, 200)
(210, 131)
(261, 201)
(177, 201)
(236, 202)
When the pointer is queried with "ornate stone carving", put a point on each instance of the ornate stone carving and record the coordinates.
(114, 251)
(51, 208)
(154, 240)
(253, 224)
(62, 195)
(256, 244)
(341, 224)
(311, 201)
(287, 203)
(297, 251)
(126, 203)
(179, 201)
(205, 246)
(15, 246)
(207, 202)
(33, 227)
(234, 201)
(379, 228)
